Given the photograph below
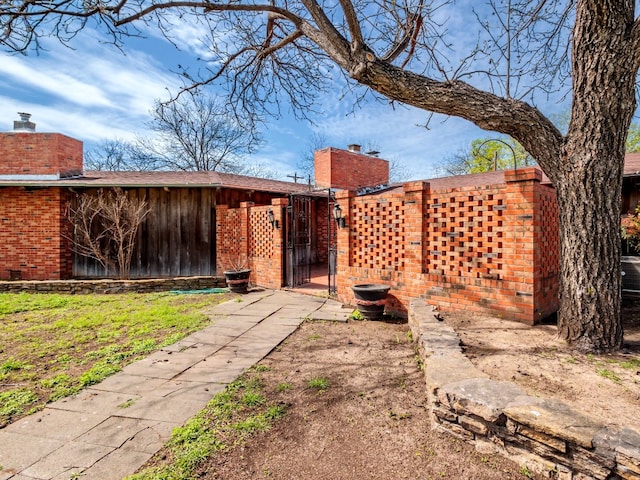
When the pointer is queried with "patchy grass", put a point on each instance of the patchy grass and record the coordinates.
(228, 420)
(54, 345)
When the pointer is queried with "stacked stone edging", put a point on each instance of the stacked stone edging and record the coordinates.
(546, 435)
(112, 286)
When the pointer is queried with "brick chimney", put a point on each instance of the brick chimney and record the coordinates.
(349, 169)
(27, 155)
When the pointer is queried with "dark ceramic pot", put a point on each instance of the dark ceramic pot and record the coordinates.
(371, 299)
(237, 281)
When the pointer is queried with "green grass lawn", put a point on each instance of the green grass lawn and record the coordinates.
(53, 345)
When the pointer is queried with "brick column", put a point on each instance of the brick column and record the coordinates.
(521, 214)
(222, 234)
(344, 199)
(414, 228)
(274, 277)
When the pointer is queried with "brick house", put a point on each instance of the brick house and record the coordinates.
(40, 173)
(487, 242)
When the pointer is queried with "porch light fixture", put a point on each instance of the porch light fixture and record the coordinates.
(337, 214)
(272, 219)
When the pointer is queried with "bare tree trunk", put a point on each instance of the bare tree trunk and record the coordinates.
(589, 177)
(590, 273)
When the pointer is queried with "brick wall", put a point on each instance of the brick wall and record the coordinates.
(40, 154)
(490, 248)
(34, 234)
(351, 170)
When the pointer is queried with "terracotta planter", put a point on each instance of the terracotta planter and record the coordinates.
(237, 281)
(371, 299)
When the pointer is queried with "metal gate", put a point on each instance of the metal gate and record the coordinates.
(298, 240)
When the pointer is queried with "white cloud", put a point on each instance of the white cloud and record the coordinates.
(92, 93)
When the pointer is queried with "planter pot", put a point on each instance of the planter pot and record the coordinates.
(371, 299)
(237, 281)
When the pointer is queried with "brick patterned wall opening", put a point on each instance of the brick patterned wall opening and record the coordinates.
(378, 233)
(260, 234)
(465, 235)
(549, 241)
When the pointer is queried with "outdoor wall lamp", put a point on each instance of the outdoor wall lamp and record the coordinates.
(337, 214)
(272, 219)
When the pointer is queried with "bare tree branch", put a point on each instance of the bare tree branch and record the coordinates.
(105, 226)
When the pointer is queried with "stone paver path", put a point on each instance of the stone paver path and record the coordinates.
(109, 430)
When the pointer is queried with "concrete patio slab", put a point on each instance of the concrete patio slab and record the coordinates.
(163, 364)
(116, 465)
(115, 431)
(15, 457)
(151, 439)
(160, 409)
(73, 456)
(96, 402)
(131, 384)
(51, 423)
(209, 336)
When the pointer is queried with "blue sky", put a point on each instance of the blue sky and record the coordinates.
(95, 92)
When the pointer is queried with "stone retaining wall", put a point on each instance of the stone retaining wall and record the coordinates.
(546, 435)
(113, 286)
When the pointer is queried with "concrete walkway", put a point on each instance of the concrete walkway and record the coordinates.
(109, 430)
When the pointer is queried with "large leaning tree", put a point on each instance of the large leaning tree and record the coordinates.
(403, 51)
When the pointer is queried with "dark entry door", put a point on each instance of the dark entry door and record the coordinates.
(298, 240)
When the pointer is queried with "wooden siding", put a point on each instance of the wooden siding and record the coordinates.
(178, 236)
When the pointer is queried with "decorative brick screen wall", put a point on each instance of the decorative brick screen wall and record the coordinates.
(491, 248)
(245, 232)
(39, 154)
(34, 234)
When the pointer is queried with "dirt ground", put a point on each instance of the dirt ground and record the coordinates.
(371, 423)
(605, 387)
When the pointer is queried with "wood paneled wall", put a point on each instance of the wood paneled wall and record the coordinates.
(178, 236)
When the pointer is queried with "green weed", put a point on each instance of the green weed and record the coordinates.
(12, 365)
(13, 402)
(61, 386)
(98, 372)
(283, 387)
(631, 364)
(318, 383)
(524, 471)
(260, 368)
(127, 403)
(606, 373)
(252, 399)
